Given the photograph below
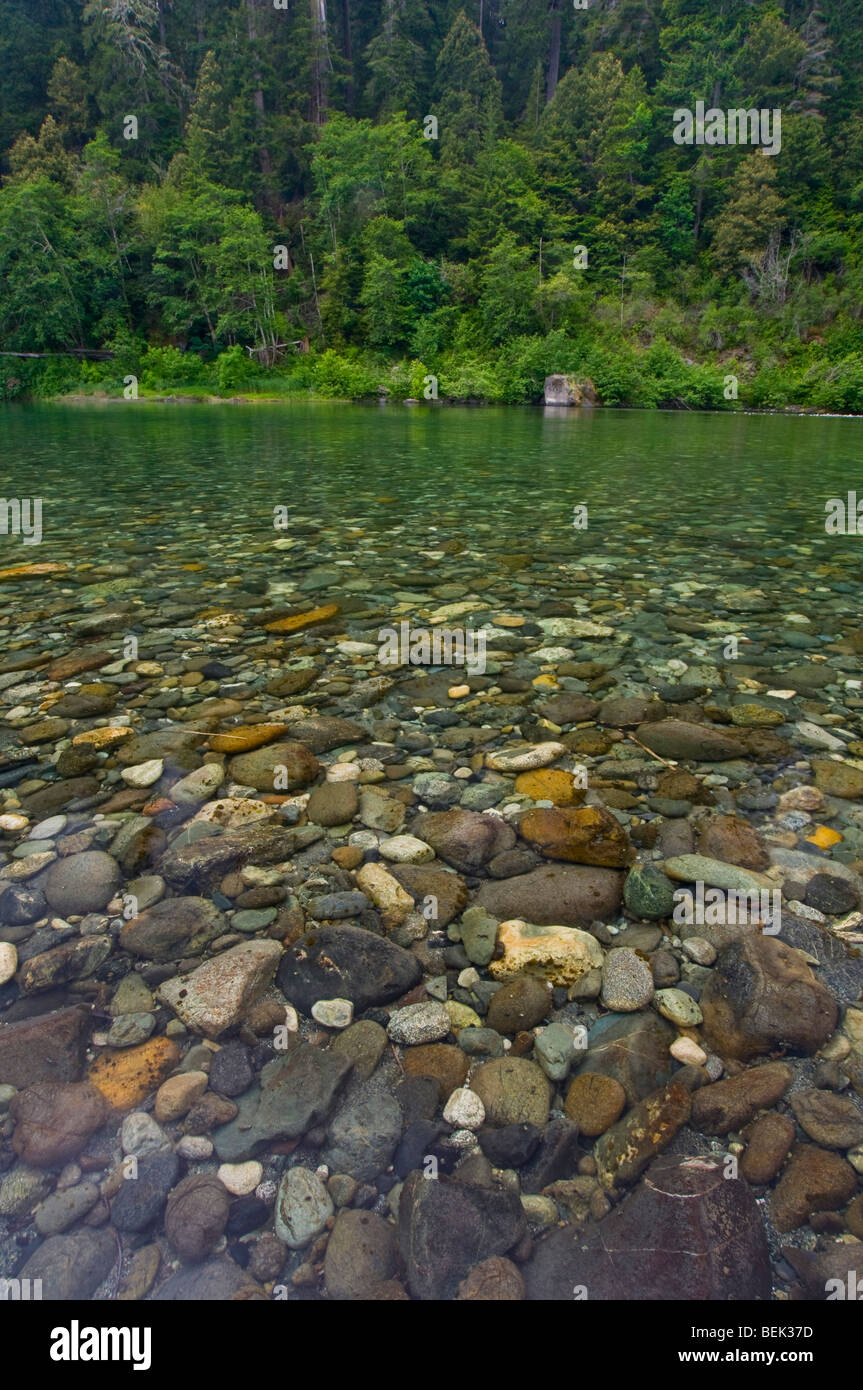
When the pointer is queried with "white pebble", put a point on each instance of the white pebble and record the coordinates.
(688, 1052)
(241, 1178)
(143, 774)
(195, 1147)
(406, 849)
(464, 1109)
(8, 961)
(333, 1013)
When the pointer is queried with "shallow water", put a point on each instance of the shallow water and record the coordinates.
(207, 534)
(175, 472)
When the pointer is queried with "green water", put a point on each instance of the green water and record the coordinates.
(173, 471)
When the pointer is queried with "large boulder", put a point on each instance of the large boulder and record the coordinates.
(173, 928)
(446, 1227)
(709, 1247)
(677, 738)
(554, 895)
(762, 997)
(345, 962)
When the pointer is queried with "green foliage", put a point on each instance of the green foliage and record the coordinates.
(348, 378)
(282, 195)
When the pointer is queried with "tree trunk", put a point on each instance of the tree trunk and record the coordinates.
(264, 159)
(553, 51)
(320, 62)
(348, 51)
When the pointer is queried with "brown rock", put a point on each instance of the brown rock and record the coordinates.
(625, 1150)
(196, 1216)
(259, 768)
(446, 1064)
(568, 708)
(768, 1144)
(495, 1280)
(519, 1005)
(76, 663)
(513, 1090)
(677, 738)
(362, 1254)
(334, 803)
(556, 894)
(854, 1217)
(688, 1232)
(208, 1113)
(430, 880)
(761, 997)
(581, 835)
(54, 1120)
(594, 1102)
(832, 1121)
(465, 839)
(49, 1047)
(627, 711)
(735, 841)
(814, 1180)
(731, 1104)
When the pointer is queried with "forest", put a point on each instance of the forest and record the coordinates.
(420, 198)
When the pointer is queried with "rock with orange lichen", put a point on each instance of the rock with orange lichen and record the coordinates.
(578, 835)
(300, 620)
(551, 784)
(245, 737)
(128, 1077)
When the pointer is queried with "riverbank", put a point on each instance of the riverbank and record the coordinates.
(660, 376)
(309, 398)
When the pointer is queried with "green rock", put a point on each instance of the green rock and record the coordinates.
(478, 935)
(697, 868)
(752, 716)
(555, 1049)
(648, 892)
(678, 1007)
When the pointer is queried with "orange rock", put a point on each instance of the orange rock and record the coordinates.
(823, 837)
(103, 738)
(127, 1077)
(550, 784)
(300, 620)
(582, 835)
(347, 856)
(245, 737)
(31, 571)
